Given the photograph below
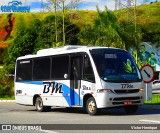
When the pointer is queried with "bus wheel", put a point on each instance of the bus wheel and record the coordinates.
(91, 106)
(40, 107)
(131, 109)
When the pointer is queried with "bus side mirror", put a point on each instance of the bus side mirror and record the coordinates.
(65, 76)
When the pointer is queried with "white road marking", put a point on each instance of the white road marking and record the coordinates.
(48, 131)
(153, 121)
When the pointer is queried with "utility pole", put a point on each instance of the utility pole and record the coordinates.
(61, 5)
(135, 28)
(55, 11)
(63, 15)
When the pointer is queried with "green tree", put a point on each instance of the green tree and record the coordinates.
(61, 6)
(130, 37)
(2, 51)
(104, 32)
(151, 33)
(46, 36)
(108, 31)
(22, 45)
(6, 84)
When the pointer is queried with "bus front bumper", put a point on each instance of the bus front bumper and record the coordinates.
(104, 100)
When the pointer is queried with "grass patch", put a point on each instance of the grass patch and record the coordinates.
(155, 99)
(7, 98)
(3, 20)
(147, 13)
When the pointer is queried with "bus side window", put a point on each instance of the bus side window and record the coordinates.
(60, 67)
(41, 69)
(87, 70)
(24, 70)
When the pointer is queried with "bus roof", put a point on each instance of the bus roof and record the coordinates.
(63, 50)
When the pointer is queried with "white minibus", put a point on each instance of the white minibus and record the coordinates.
(79, 76)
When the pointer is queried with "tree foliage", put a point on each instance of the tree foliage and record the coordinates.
(6, 84)
(108, 31)
(151, 33)
(103, 32)
(46, 35)
(22, 45)
(39, 35)
(130, 36)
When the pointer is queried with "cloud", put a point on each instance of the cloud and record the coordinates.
(91, 4)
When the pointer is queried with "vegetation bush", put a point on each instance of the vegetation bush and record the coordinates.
(6, 91)
(6, 85)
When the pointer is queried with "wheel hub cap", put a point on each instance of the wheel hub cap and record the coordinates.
(91, 106)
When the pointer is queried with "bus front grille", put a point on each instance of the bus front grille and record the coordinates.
(126, 91)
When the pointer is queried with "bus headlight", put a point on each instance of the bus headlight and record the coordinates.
(103, 90)
(142, 89)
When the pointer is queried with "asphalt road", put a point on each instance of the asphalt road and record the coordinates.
(12, 113)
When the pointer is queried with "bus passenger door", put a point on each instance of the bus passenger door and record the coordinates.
(76, 75)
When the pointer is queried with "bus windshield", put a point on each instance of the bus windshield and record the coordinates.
(115, 65)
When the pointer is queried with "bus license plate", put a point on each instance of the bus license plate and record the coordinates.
(127, 102)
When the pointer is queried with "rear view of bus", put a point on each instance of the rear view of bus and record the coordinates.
(79, 76)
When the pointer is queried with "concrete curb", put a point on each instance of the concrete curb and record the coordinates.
(7, 100)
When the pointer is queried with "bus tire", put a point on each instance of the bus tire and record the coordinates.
(40, 107)
(131, 109)
(91, 106)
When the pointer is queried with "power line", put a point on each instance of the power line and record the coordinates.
(119, 4)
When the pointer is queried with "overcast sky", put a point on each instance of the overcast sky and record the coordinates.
(36, 5)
